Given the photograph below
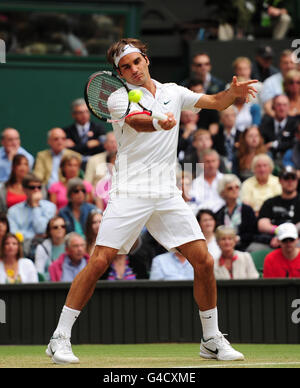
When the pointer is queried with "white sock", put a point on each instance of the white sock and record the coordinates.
(209, 321)
(66, 321)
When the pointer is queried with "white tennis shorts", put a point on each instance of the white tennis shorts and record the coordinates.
(169, 220)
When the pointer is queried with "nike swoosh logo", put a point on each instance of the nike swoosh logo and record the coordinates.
(165, 103)
(211, 351)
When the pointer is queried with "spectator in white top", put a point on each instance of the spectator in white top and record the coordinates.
(207, 222)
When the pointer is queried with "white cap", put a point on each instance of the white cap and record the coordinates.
(126, 50)
(286, 230)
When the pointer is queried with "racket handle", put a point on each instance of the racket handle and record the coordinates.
(159, 116)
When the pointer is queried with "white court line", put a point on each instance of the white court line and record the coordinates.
(235, 364)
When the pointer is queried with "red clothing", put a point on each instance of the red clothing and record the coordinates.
(277, 266)
(13, 198)
(56, 268)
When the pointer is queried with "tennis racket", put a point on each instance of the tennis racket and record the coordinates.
(106, 96)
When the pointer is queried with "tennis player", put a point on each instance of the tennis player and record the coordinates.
(144, 193)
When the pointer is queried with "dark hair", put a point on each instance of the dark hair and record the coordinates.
(50, 224)
(205, 211)
(6, 237)
(110, 156)
(15, 162)
(30, 177)
(65, 159)
(90, 239)
(4, 220)
(116, 48)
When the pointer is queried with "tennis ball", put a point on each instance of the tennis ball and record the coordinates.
(135, 95)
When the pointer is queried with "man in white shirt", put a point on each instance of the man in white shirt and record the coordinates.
(144, 193)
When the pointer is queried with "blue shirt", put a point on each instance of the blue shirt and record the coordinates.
(168, 267)
(30, 220)
(5, 163)
(56, 159)
(69, 270)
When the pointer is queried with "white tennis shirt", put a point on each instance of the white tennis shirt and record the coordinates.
(146, 162)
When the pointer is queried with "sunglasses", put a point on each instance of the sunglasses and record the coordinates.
(76, 191)
(294, 82)
(201, 64)
(33, 187)
(55, 227)
(288, 177)
(286, 240)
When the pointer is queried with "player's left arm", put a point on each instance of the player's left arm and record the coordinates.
(224, 99)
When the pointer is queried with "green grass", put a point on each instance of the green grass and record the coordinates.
(151, 356)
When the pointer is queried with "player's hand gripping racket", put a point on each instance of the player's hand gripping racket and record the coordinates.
(106, 96)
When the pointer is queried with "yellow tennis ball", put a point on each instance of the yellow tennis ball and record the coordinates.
(135, 95)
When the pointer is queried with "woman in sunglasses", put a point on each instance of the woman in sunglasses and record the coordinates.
(54, 245)
(77, 210)
(292, 90)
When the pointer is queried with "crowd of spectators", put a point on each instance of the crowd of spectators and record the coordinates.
(242, 183)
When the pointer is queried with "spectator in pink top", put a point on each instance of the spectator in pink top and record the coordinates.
(104, 185)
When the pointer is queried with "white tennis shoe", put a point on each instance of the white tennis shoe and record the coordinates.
(60, 350)
(220, 349)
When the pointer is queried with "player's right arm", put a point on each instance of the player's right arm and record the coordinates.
(144, 123)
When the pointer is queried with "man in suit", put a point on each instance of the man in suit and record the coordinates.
(84, 136)
(278, 131)
(47, 161)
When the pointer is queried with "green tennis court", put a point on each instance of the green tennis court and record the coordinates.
(152, 356)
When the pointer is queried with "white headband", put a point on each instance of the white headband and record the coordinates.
(128, 49)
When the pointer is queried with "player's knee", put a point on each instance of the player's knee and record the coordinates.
(101, 261)
(205, 264)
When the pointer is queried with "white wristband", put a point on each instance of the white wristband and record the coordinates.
(156, 125)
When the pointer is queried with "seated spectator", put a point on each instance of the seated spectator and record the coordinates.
(291, 86)
(227, 137)
(31, 217)
(184, 184)
(84, 136)
(14, 268)
(232, 263)
(278, 130)
(72, 261)
(11, 145)
(234, 213)
(104, 185)
(52, 247)
(47, 162)
(171, 266)
(91, 229)
(205, 190)
(96, 167)
(76, 212)
(188, 126)
(70, 168)
(207, 222)
(273, 86)
(285, 261)
(4, 226)
(120, 269)
(12, 191)
(262, 67)
(279, 210)
(262, 185)
(292, 156)
(250, 144)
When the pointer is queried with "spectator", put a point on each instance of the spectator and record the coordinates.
(232, 263)
(205, 190)
(278, 130)
(72, 261)
(31, 217)
(76, 212)
(273, 86)
(207, 222)
(201, 71)
(70, 168)
(84, 136)
(227, 137)
(285, 261)
(262, 67)
(292, 90)
(47, 161)
(234, 213)
(96, 167)
(52, 247)
(171, 266)
(184, 184)
(292, 155)
(14, 268)
(188, 127)
(104, 185)
(279, 210)
(251, 143)
(11, 145)
(4, 226)
(91, 229)
(262, 185)
(120, 269)
(12, 191)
